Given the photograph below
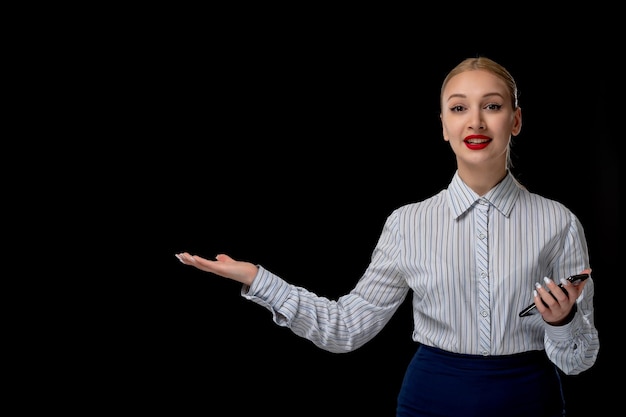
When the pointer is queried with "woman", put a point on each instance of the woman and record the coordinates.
(473, 256)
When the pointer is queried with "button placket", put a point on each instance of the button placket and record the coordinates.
(482, 265)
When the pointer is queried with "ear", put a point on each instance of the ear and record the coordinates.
(443, 129)
(517, 122)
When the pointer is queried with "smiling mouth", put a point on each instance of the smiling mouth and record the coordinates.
(477, 144)
(476, 141)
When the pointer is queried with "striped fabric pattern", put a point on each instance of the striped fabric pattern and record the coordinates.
(482, 273)
(469, 263)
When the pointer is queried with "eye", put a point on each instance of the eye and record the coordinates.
(457, 108)
(493, 106)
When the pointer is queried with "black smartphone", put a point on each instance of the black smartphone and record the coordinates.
(574, 279)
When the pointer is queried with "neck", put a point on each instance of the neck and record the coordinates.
(481, 180)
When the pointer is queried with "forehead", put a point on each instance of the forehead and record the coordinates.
(474, 83)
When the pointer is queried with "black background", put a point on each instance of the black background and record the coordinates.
(287, 143)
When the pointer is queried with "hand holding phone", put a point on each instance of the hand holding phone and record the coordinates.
(574, 279)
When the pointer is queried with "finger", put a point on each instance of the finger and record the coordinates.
(545, 296)
(224, 258)
(188, 259)
(183, 257)
(555, 290)
(541, 306)
(537, 299)
(573, 290)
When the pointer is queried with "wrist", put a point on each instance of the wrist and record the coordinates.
(567, 319)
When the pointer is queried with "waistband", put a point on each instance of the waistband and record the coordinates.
(523, 359)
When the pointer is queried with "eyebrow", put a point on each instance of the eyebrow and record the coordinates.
(458, 95)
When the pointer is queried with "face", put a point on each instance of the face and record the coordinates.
(478, 119)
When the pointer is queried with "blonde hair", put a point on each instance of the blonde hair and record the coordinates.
(483, 63)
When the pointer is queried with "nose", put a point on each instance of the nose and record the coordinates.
(476, 121)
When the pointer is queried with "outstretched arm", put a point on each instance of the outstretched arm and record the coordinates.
(223, 265)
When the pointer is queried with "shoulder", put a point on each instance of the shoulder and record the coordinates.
(434, 202)
(539, 208)
(539, 200)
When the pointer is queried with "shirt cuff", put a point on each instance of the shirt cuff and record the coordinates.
(566, 332)
(269, 291)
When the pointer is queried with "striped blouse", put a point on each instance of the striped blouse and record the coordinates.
(470, 264)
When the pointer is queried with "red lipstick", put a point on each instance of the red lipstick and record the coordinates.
(477, 142)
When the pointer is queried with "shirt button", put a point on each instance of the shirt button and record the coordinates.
(484, 313)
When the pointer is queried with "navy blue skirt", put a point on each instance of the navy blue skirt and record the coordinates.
(443, 384)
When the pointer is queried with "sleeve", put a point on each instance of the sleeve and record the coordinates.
(574, 346)
(345, 324)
